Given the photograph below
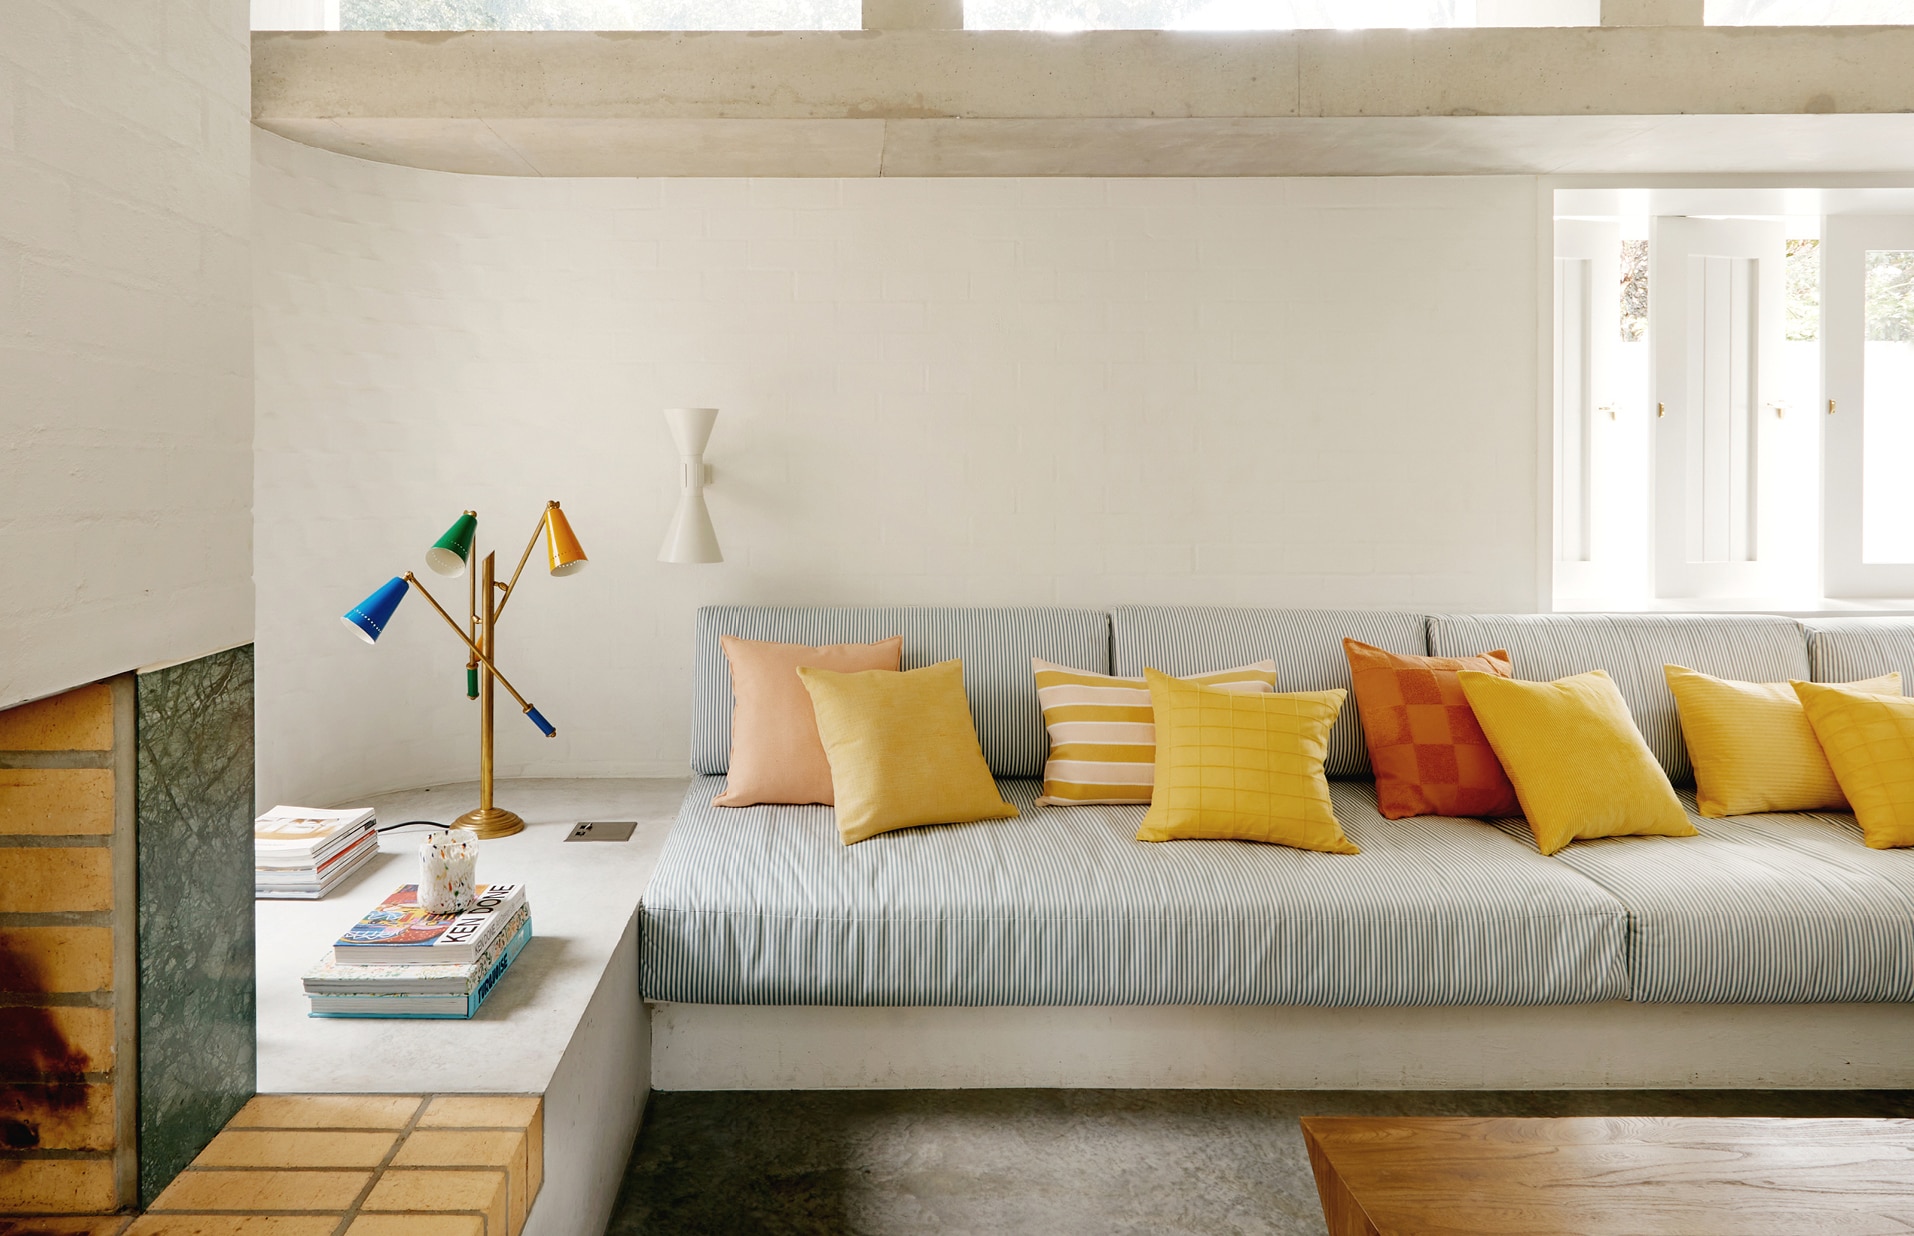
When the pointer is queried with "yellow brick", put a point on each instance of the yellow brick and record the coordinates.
(52, 879)
(406, 1190)
(78, 1225)
(327, 1111)
(58, 1186)
(233, 1225)
(200, 1191)
(75, 1039)
(78, 1117)
(77, 720)
(284, 1148)
(415, 1225)
(481, 1111)
(56, 801)
(40, 960)
(497, 1148)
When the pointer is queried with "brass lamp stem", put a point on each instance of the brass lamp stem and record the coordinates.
(479, 654)
(522, 560)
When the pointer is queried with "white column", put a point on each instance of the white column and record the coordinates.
(1651, 12)
(909, 14)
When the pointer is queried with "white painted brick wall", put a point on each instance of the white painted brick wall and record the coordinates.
(125, 337)
(1075, 392)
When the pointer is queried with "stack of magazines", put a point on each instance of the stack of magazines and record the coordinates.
(399, 961)
(304, 852)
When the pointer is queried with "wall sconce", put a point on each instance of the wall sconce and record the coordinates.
(691, 538)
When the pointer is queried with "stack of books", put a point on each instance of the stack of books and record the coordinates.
(399, 961)
(302, 852)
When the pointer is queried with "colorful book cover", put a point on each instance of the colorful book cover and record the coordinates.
(330, 977)
(398, 925)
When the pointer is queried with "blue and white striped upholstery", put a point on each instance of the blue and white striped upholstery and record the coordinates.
(1759, 909)
(995, 644)
(764, 905)
(1305, 643)
(1850, 649)
(1633, 648)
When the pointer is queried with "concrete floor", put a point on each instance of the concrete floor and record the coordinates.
(1057, 1162)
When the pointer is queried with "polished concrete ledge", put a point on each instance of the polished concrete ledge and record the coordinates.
(1648, 100)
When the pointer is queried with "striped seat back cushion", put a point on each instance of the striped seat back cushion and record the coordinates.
(1306, 645)
(1633, 648)
(1103, 731)
(995, 646)
(1850, 649)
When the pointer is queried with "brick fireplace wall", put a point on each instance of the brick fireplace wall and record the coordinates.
(126, 932)
(68, 952)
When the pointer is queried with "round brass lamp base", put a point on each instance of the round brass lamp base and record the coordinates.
(491, 822)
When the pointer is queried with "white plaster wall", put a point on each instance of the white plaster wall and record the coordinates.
(125, 337)
(1075, 392)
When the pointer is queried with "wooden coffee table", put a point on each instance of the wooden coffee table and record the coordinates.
(1602, 1176)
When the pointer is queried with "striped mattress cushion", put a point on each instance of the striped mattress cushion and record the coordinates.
(1103, 730)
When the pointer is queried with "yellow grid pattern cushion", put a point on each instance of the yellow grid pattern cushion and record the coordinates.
(1752, 747)
(1869, 740)
(1103, 730)
(1243, 767)
(1579, 766)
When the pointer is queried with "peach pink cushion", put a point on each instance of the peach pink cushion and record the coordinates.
(776, 754)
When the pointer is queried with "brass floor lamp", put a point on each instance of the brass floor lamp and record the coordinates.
(486, 601)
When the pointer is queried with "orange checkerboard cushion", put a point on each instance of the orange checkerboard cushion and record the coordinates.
(1429, 754)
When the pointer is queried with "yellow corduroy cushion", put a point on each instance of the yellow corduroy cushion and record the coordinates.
(1579, 766)
(1752, 747)
(903, 749)
(1869, 740)
(1103, 732)
(1243, 767)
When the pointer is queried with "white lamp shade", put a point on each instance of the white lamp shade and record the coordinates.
(691, 538)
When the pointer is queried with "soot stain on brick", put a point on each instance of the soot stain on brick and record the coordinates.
(40, 1071)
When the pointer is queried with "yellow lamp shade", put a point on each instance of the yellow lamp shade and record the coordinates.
(561, 543)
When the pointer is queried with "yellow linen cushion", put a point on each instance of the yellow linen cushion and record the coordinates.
(1245, 767)
(903, 749)
(1579, 766)
(1103, 731)
(1869, 740)
(1752, 747)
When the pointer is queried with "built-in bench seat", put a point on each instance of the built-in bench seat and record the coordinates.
(1063, 907)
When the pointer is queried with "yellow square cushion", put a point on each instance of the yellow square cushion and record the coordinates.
(903, 749)
(1752, 746)
(1243, 767)
(1869, 740)
(1579, 766)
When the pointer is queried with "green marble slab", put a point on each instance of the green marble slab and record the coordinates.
(196, 998)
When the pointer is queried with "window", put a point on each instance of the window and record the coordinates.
(1063, 15)
(1808, 12)
(599, 14)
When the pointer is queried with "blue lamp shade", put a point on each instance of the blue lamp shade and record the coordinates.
(538, 718)
(368, 618)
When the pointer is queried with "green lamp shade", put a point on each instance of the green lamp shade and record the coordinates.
(451, 553)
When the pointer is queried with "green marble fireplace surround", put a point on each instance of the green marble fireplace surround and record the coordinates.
(196, 986)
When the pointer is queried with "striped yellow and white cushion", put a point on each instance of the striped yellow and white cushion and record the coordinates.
(1103, 734)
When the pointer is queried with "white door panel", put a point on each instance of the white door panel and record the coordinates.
(1587, 319)
(1715, 292)
(1868, 422)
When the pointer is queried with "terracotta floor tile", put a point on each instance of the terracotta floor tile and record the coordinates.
(428, 1189)
(417, 1225)
(233, 1225)
(197, 1191)
(280, 1148)
(479, 1111)
(327, 1111)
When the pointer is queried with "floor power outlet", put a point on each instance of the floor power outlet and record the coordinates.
(601, 830)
